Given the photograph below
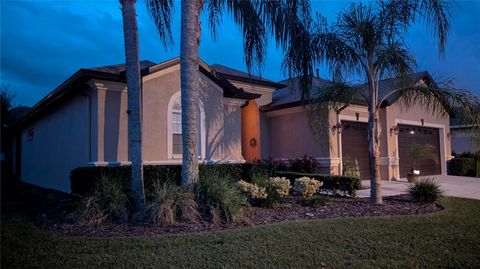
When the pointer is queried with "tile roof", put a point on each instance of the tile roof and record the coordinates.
(291, 94)
(235, 74)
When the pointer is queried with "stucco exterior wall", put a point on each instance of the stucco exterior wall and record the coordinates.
(291, 137)
(222, 120)
(60, 142)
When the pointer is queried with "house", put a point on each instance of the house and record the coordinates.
(463, 138)
(242, 118)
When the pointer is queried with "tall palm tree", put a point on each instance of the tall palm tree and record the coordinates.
(132, 64)
(254, 17)
(368, 41)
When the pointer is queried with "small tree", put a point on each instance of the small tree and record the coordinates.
(418, 151)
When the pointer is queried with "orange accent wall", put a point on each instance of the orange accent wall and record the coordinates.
(251, 131)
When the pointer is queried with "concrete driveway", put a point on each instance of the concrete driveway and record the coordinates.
(465, 187)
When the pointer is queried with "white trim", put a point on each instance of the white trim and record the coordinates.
(357, 108)
(441, 136)
(233, 101)
(389, 161)
(109, 163)
(161, 72)
(104, 85)
(202, 131)
(352, 118)
(328, 161)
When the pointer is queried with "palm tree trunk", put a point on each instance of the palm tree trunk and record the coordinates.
(189, 82)
(374, 147)
(134, 99)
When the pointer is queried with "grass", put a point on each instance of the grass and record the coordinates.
(449, 239)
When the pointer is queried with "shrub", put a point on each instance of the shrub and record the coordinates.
(219, 197)
(306, 187)
(170, 203)
(462, 166)
(281, 184)
(314, 201)
(252, 190)
(305, 164)
(425, 191)
(109, 202)
(331, 183)
(83, 179)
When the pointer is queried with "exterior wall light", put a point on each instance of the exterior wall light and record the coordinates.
(394, 130)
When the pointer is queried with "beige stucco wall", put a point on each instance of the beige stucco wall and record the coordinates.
(290, 136)
(60, 143)
(222, 120)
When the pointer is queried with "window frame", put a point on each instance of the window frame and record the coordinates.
(170, 132)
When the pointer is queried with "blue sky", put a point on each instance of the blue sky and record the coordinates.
(44, 42)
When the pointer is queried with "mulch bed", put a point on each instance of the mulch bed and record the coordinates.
(336, 208)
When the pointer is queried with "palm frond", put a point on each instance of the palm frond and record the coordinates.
(394, 61)
(437, 14)
(339, 94)
(162, 13)
(214, 12)
(246, 15)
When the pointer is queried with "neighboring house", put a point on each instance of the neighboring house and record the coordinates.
(242, 118)
(463, 140)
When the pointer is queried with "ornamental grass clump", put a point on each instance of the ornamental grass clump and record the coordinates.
(169, 204)
(109, 202)
(306, 186)
(219, 197)
(281, 185)
(425, 191)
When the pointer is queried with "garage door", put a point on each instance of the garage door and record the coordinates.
(355, 146)
(409, 135)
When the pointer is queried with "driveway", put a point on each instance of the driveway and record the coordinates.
(465, 187)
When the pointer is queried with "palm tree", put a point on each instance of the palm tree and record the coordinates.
(368, 41)
(254, 17)
(132, 64)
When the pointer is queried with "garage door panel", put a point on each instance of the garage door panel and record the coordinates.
(355, 146)
(409, 135)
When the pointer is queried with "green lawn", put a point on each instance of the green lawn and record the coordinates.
(450, 239)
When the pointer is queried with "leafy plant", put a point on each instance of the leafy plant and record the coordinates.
(350, 167)
(425, 191)
(252, 190)
(108, 202)
(314, 201)
(281, 184)
(169, 204)
(305, 164)
(421, 151)
(220, 198)
(306, 187)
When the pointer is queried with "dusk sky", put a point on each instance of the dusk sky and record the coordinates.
(44, 42)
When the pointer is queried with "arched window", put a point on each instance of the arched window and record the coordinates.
(174, 128)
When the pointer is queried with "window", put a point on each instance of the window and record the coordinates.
(174, 126)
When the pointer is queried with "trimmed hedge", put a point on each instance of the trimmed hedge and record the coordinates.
(331, 183)
(463, 167)
(84, 179)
